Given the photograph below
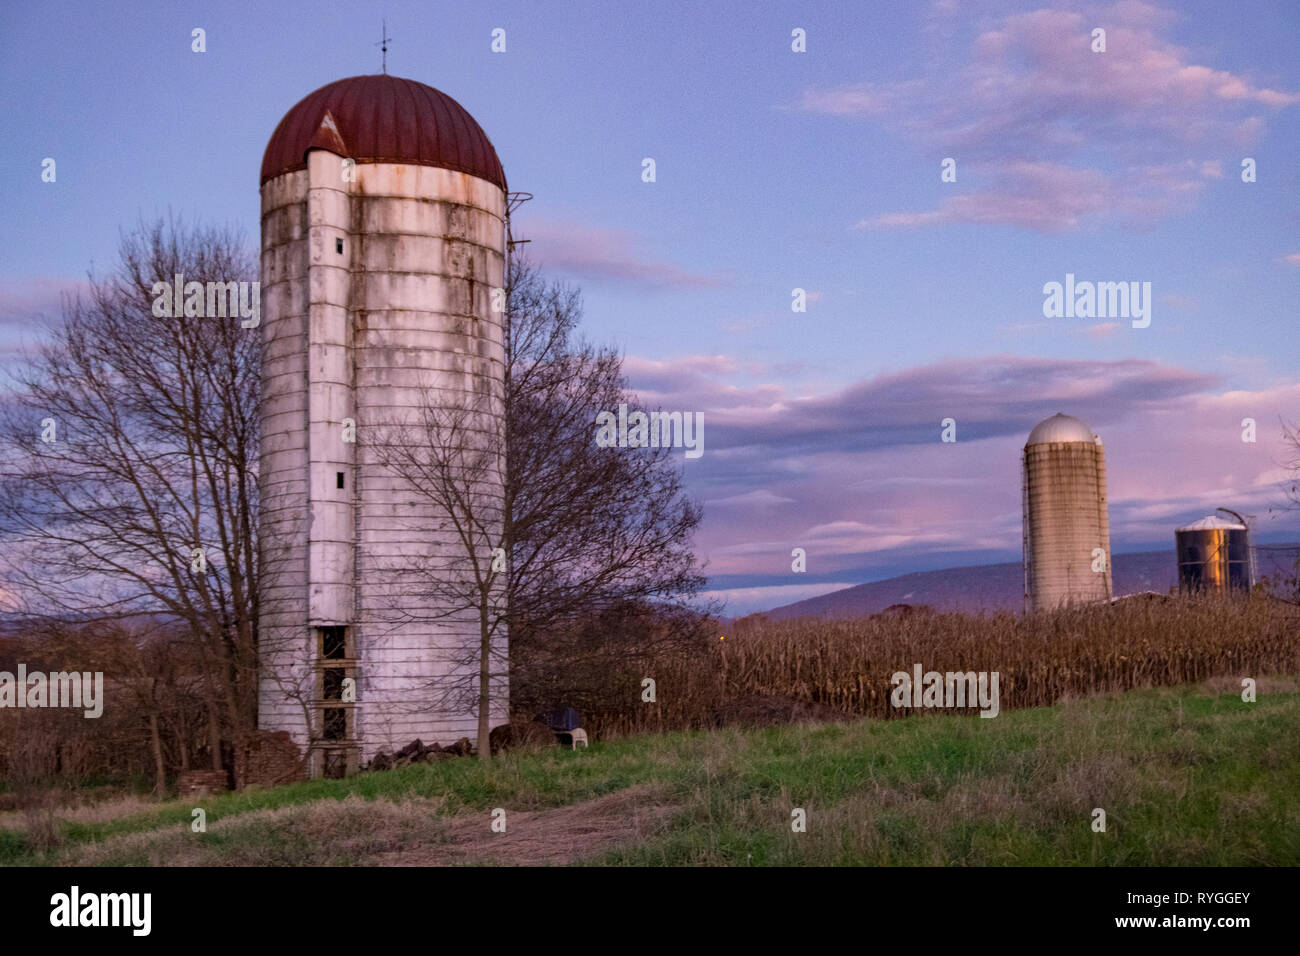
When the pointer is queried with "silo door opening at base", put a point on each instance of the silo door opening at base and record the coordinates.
(335, 708)
(336, 765)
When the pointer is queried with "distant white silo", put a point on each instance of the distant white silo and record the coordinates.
(1065, 516)
(383, 237)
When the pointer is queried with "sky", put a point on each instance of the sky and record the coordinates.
(778, 170)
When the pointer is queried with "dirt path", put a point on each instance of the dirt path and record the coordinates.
(543, 837)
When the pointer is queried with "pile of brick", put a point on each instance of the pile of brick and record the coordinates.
(196, 783)
(272, 758)
(417, 752)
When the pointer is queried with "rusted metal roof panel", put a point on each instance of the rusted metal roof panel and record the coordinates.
(383, 119)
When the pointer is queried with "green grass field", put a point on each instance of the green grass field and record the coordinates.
(1186, 777)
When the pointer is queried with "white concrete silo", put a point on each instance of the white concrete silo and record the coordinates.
(1066, 525)
(383, 238)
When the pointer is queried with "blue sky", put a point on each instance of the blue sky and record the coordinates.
(777, 170)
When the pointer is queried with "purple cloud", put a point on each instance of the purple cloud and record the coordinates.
(609, 255)
(997, 395)
(1029, 106)
(858, 476)
(25, 300)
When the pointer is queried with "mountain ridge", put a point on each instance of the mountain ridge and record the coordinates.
(978, 587)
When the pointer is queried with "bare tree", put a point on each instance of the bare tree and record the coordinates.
(591, 529)
(1284, 583)
(1291, 439)
(129, 477)
(581, 531)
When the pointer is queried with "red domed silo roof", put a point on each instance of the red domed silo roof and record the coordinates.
(383, 119)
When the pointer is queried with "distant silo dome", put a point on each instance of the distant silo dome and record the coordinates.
(1066, 524)
(1060, 428)
(383, 240)
(1213, 556)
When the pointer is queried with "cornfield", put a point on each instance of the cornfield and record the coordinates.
(847, 665)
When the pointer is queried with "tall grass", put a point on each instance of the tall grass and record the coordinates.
(1186, 778)
(1041, 659)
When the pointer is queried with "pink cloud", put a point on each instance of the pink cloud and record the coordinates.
(1043, 196)
(1028, 106)
(1037, 74)
(22, 300)
(845, 101)
(592, 252)
(1178, 301)
(858, 475)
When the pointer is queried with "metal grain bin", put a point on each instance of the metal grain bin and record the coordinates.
(1213, 556)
